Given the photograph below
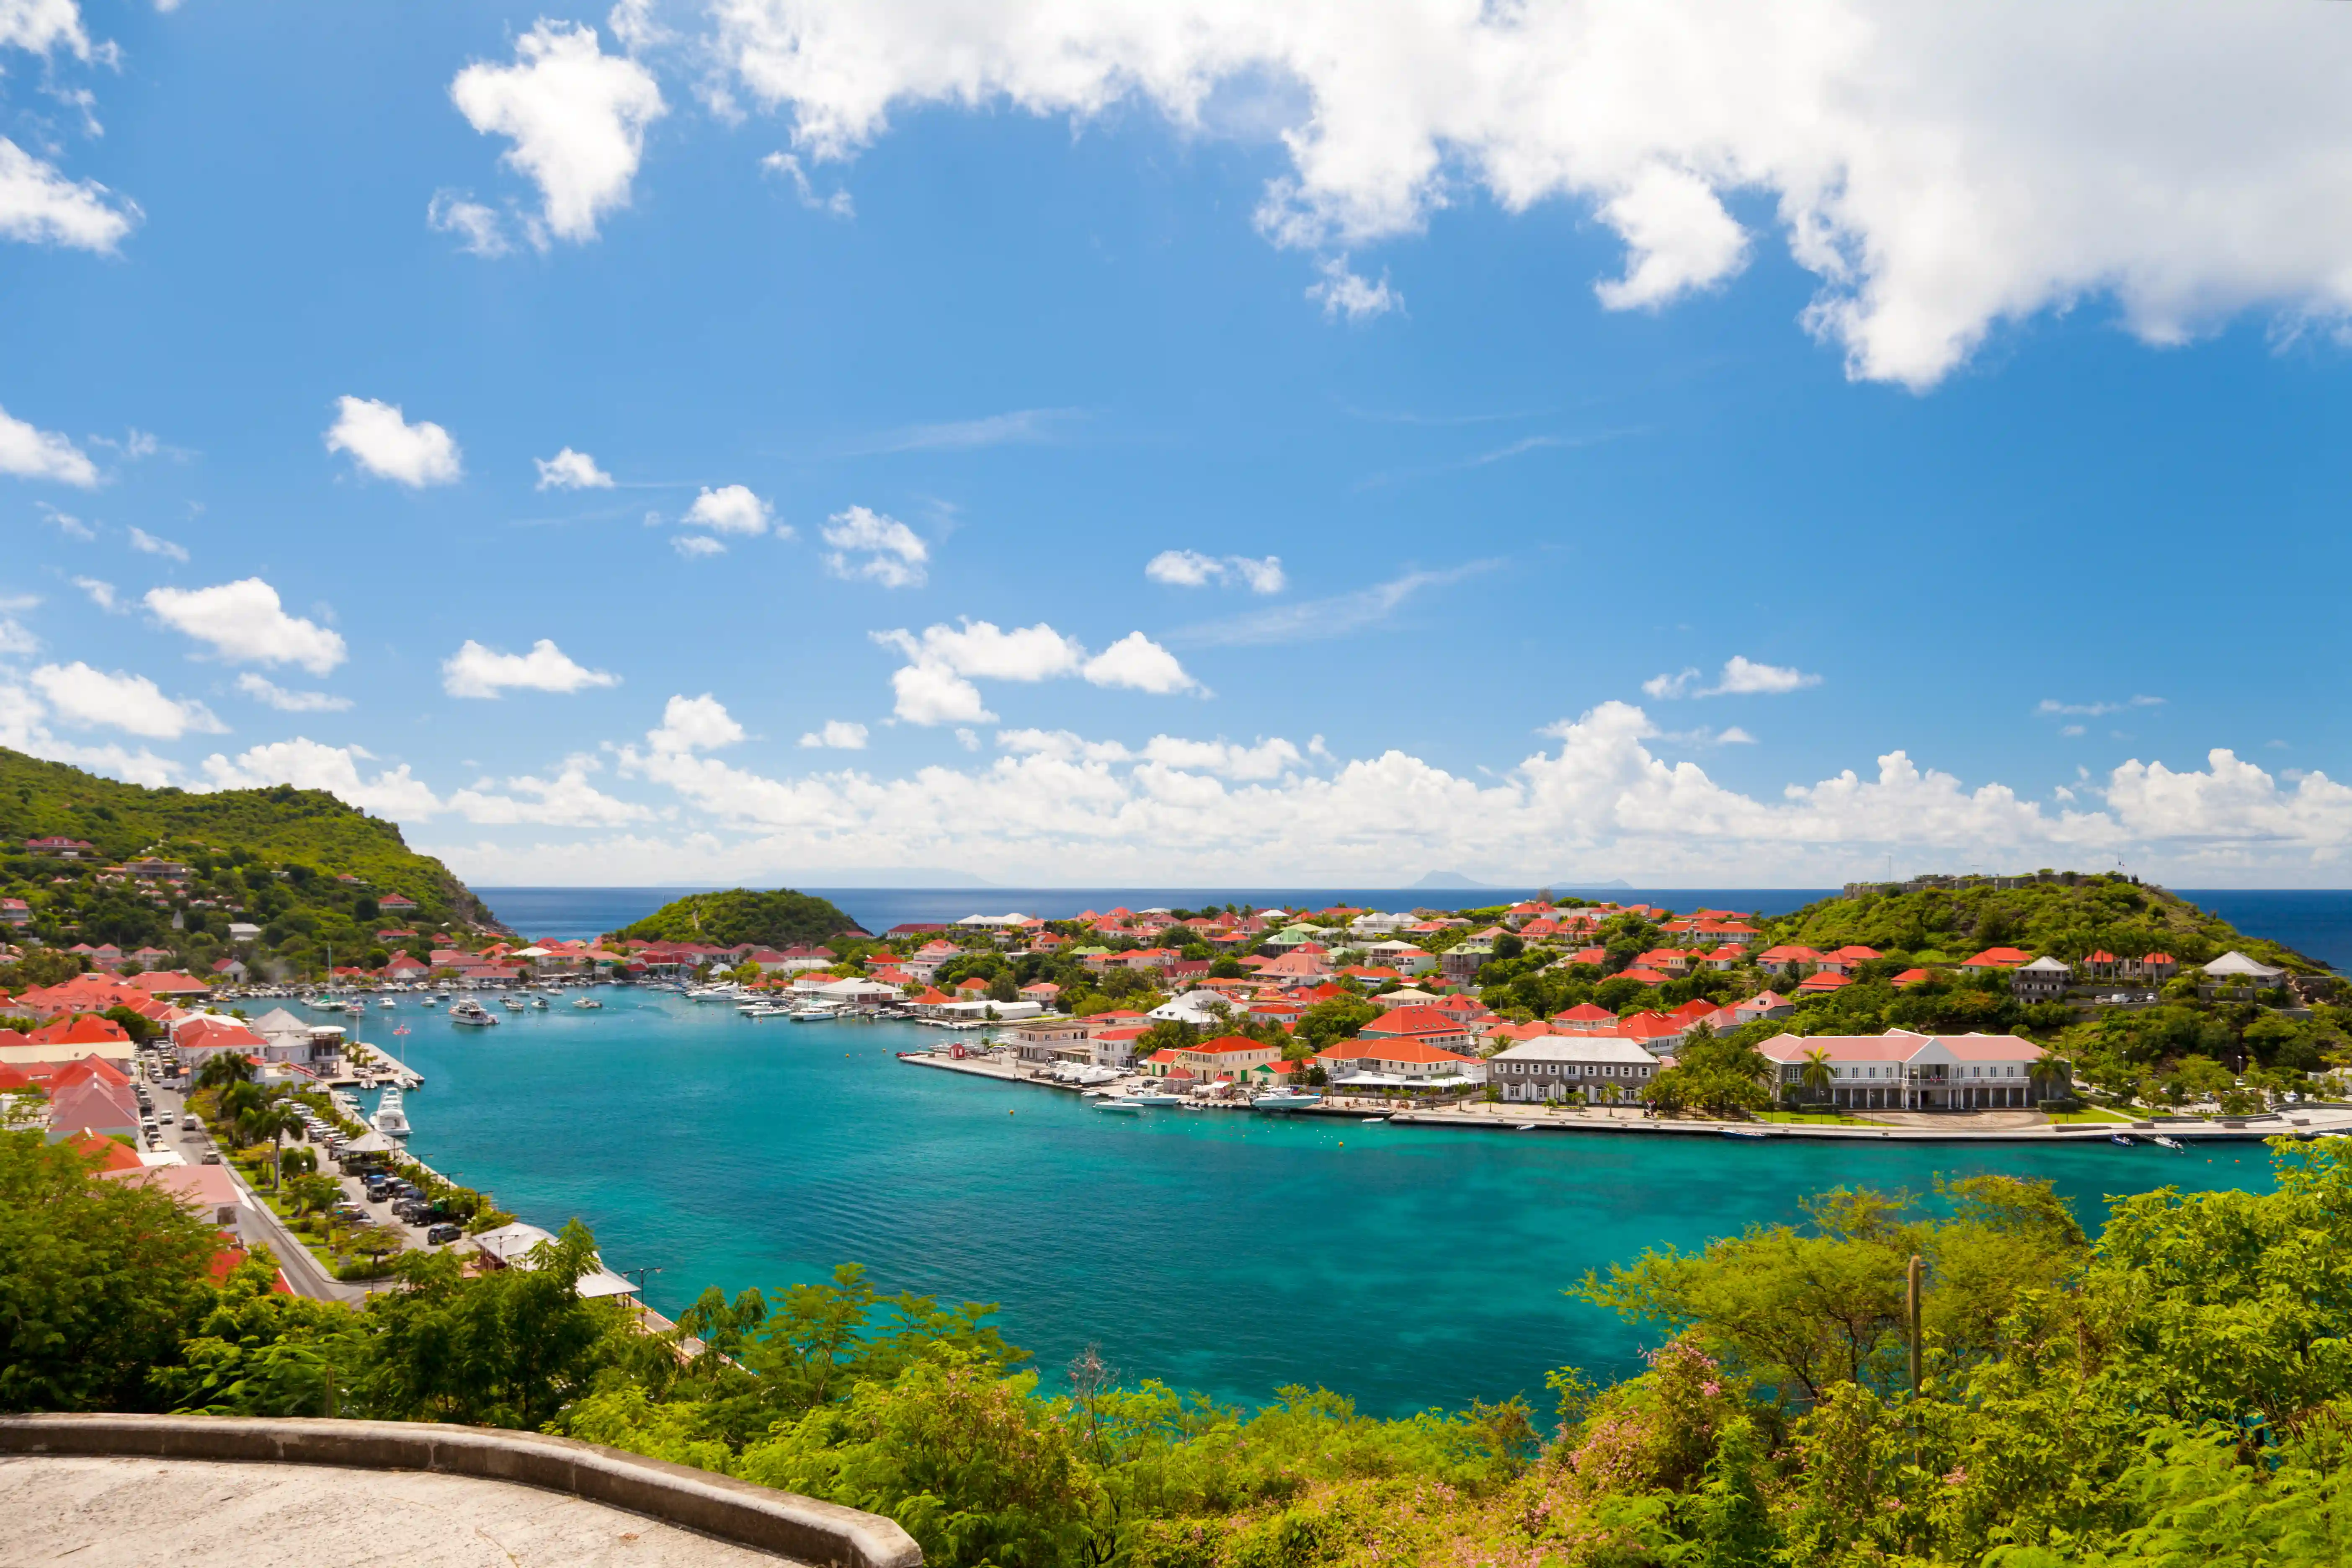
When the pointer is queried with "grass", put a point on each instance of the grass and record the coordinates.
(1817, 1117)
(2089, 1113)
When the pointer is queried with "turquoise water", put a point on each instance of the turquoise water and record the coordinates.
(1231, 1253)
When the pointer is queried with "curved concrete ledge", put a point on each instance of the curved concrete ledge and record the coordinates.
(803, 1528)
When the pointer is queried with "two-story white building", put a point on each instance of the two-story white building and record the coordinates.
(1899, 1071)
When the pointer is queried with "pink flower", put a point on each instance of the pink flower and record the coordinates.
(1710, 1388)
(1959, 1476)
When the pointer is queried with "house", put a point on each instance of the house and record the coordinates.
(15, 912)
(1043, 991)
(1788, 958)
(1554, 1067)
(1585, 1019)
(198, 1038)
(169, 982)
(2236, 970)
(2153, 967)
(1645, 976)
(1227, 1056)
(2046, 979)
(406, 966)
(90, 1106)
(230, 972)
(1383, 1065)
(1763, 1004)
(1429, 1025)
(396, 902)
(1728, 956)
(1461, 962)
(1910, 977)
(164, 870)
(1820, 982)
(1037, 1039)
(61, 849)
(1996, 958)
(1900, 1071)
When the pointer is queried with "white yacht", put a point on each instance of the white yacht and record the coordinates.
(1155, 1097)
(385, 1005)
(586, 1003)
(391, 1120)
(467, 1011)
(1283, 1100)
(539, 1003)
(728, 993)
(510, 1004)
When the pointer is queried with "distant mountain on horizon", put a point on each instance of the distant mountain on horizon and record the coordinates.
(1436, 880)
(918, 877)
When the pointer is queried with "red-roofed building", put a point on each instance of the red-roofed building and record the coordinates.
(1907, 1071)
(1910, 977)
(1595, 956)
(1997, 958)
(1789, 958)
(2155, 966)
(80, 1029)
(63, 848)
(1646, 976)
(1585, 1019)
(1822, 980)
(1393, 1063)
(1429, 1024)
(1227, 1057)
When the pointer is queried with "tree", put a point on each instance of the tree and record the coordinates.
(1818, 1073)
(99, 1280)
(223, 1068)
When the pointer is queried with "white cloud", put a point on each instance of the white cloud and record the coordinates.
(1020, 426)
(1940, 171)
(695, 724)
(2051, 705)
(16, 639)
(385, 444)
(85, 699)
(102, 594)
(837, 204)
(697, 546)
(1139, 664)
(892, 553)
(1344, 293)
(1742, 677)
(39, 205)
(1191, 569)
(312, 765)
(147, 543)
(243, 623)
(983, 649)
(567, 800)
(927, 694)
(577, 117)
(730, 509)
(271, 694)
(71, 526)
(39, 27)
(31, 454)
(1341, 615)
(838, 735)
(478, 671)
(477, 228)
(571, 470)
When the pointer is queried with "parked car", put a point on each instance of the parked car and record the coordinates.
(442, 1235)
(188, 1123)
(212, 1157)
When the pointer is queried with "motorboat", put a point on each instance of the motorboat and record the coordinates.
(1283, 1100)
(510, 1004)
(539, 1003)
(2175, 1144)
(472, 1014)
(586, 1003)
(391, 1119)
(1119, 1103)
(385, 1005)
(1152, 1098)
(714, 994)
(763, 1010)
(1526, 1127)
(814, 1012)
(2123, 1140)
(1744, 1132)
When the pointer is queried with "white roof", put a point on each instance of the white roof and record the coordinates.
(1594, 1048)
(2236, 963)
(2046, 966)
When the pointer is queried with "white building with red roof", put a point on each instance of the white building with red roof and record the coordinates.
(1380, 1064)
(1900, 1071)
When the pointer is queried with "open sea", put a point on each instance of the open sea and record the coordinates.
(1219, 1251)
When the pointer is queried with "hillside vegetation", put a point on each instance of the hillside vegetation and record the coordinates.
(778, 919)
(272, 858)
(2067, 921)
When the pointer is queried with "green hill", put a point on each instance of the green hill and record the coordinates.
(275, 857)
(780, 919)
(2068, 916)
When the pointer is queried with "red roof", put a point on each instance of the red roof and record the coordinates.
(1418, 1020)
(1227, 1045)
(1646, 976)
(1997, 958)
(1911, 977)
(80, 1029)
(1586, 1012)
(1823, 981)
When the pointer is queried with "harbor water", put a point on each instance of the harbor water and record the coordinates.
(1221, 1251)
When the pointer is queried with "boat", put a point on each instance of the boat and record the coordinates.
(1373, 1120)
(586, 1003)
(539, 1003)
(815, 1013)
(1524, 1127)
(510, 1005)
(1119, 1103)
(2124, 1139)
(714, 994)
(1744, 1132)
(1153, 1098)
(2164, 1142)
(391, 1120)
(385, 1004)
(1283, 1100)
(471, 1014)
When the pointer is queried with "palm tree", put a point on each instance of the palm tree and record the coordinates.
(1818, 1074)
(226, 1067)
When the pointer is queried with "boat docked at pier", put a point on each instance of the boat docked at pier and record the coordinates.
(391, 1117)
(1283, 1100)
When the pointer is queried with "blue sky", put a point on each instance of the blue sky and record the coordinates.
(1208, 442)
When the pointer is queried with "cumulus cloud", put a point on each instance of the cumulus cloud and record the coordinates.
(567, 800)
(41, 205)
(32, 454)
(571, 470)
(730, 509)
(312, 765)
(15, 638)
(1939, 171)
(1139, 664)
(86, 698)
(477, 228)
(577, 117)
(243, 623)
(385, 444)
(478, 671)
(865, 543)
(697, 546)
(1741, 677)
(102, 594)
(272, 694)
(838, 735)
(1191, 569)
(42, 27)
(1343, 293)
(695, 724)
(147, 543)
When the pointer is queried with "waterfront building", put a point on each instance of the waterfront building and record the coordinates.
(1226, 1056)
(1430, 1025)
(1900, 1071)
(1555, 1066)
(1381, 1066)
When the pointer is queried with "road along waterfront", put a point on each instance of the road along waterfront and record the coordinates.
(1405, 1265)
